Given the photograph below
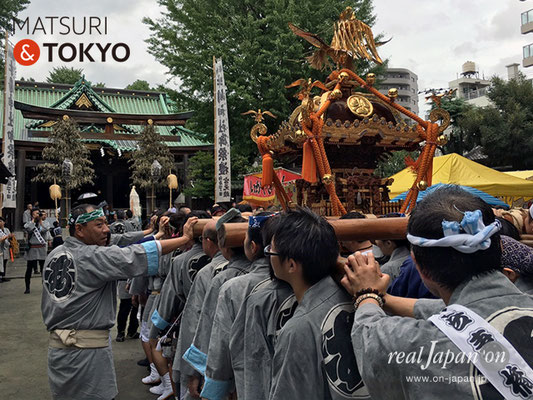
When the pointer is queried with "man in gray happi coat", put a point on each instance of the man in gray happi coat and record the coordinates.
(407, 358)
(219, 375)
(79, 301)
(253, 336)
(182, 371)
(178, 283)
(38, 237)
(312, 357)
(238, 265)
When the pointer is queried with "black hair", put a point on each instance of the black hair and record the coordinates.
(129, 214)
(120, 214)
(244, 208)
(2, 219)
(508, 229)
(445, 265)
(256, 234)
(75, 213)
(306, 238)
(353, 215)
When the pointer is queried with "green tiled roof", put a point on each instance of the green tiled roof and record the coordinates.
(61, 96)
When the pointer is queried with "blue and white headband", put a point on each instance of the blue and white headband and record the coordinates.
(467, 237)
(258, 221)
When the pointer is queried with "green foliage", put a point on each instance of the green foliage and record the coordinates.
(98, 85)
(201, 173)
(65, 142)
(65, 75)
(506, 128)
(150, 149)
(139, 85)
(259, 53)
(394, 163)
(460, 138)
(9, 10)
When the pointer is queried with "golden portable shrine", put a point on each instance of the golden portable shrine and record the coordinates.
(343, 132)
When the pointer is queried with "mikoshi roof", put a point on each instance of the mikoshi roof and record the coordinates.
(455, 169)
(60, 96)
(487, 198)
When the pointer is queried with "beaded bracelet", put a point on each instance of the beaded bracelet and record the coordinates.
(365, 291)
(374, 296)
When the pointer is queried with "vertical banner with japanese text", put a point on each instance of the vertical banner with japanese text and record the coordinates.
(222, 143)
(9, 190)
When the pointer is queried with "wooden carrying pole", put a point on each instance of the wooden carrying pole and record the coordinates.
(346, 229)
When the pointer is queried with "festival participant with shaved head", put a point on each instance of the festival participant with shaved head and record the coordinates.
(219, 376)
(79, 300)
(238, 265)
(182, 371)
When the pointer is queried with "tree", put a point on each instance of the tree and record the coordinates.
(139, 85)
(65, 75)
(259, 52)
(65, 142)
(202, 170)
(150, 149)
(461, 113)
(504, 128)
(99, 85)
(394, 163)
(9, 9)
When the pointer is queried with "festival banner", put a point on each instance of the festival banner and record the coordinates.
(222, 143)
(9, 190)
(254, 193)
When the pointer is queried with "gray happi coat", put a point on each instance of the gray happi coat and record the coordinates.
(172, 298)
(79, 292)
(196, 355)
(36, 253)
(313, 358)
(218, 373)
(165, 263)
(191, 315)
(257, 324)
(393, 350)
(392, 267)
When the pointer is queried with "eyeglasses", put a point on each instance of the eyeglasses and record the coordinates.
(202, 238)
(269, 253)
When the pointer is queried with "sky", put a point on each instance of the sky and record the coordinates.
(432, 38)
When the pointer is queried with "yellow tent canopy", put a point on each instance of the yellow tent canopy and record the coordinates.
(455, 169)
(521, 174)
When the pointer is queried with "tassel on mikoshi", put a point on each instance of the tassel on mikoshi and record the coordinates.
(268, 170)
(172, 181)
(55, 192)
(308, 163)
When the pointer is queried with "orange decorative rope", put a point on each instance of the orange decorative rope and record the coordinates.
(423, 166)
(316, 141)
(269, 176)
